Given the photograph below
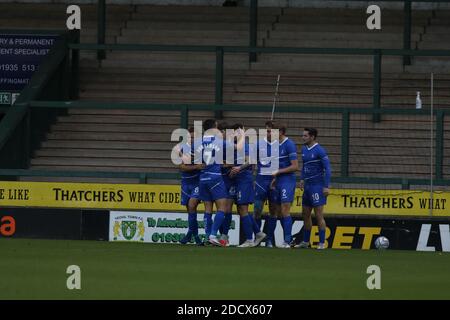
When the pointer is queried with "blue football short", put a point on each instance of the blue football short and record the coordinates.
(313, 196)
(262, 189)
(285, 189)
(211, 190)
(188, 191)
(245, 191)
(230, 187)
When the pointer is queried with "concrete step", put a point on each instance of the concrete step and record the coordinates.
(336, 43)
(359, 20)
(105, 163)
(119, 119)
(324, 27)
(356, 151)
(80, 179)
(150, 25)
(107, 96)
(208, 33)
(90, 69)
(392, 169)
(109, 136)
(420, 162)
(323, 63)
(188, 10)
(261, 76)
(112, 128)
(350, 12)
(434, 44)
(100, 168)
(167, 89)
(153, 155)
(107, 145)
(437, 29)
(149, 97)
(154, 116)
(204, 17)
(440, 21)
(381, 141)
(185, 41)
(231, 62)
(153, 81)
(113, 24)
(336, 35)
(58, 7)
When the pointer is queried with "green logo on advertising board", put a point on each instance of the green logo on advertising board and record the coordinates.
(5, 98)
(129, 229)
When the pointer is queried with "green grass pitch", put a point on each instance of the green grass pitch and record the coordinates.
(36, 269)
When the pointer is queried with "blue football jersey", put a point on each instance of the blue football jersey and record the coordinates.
(211, 149)
(287, 153)
(264, 155)
(316, 165)
(190, 177)
(239, 159)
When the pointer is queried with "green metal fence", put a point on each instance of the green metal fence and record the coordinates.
(220, 51)
(184, 109)
(253, 25)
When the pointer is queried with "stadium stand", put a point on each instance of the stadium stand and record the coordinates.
(136, 140)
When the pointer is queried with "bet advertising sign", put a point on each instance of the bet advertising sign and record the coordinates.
(361, 232)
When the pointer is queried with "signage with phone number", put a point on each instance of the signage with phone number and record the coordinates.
(20, 56)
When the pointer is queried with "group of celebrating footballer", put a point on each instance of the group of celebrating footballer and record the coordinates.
(224, 184)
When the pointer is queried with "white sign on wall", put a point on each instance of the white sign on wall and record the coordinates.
(158, 227)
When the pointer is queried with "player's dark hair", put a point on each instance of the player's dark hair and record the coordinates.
(274, 125)
(223, 125)
(270, 124)
(282, 128)
(237, 126)
(312, 132)
(209, 124)
(191, 129)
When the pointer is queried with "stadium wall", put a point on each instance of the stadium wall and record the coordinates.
(261, 3)
(67, 224)
(343, 232)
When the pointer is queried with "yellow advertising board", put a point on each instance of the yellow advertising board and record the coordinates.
(167, 198)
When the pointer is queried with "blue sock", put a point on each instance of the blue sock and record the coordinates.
(188, 236)
(255, 227)
(306, 235)
(218, 220)
(247, 226)
(271, 225)
(322, 236)
(258, 222)
(227, 223)
(192, 222)
(207, 219)
(258, 207)
(287, 228)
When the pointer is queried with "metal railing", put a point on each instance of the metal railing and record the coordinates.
(253, 25)
(220, 51)
(184, 110)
